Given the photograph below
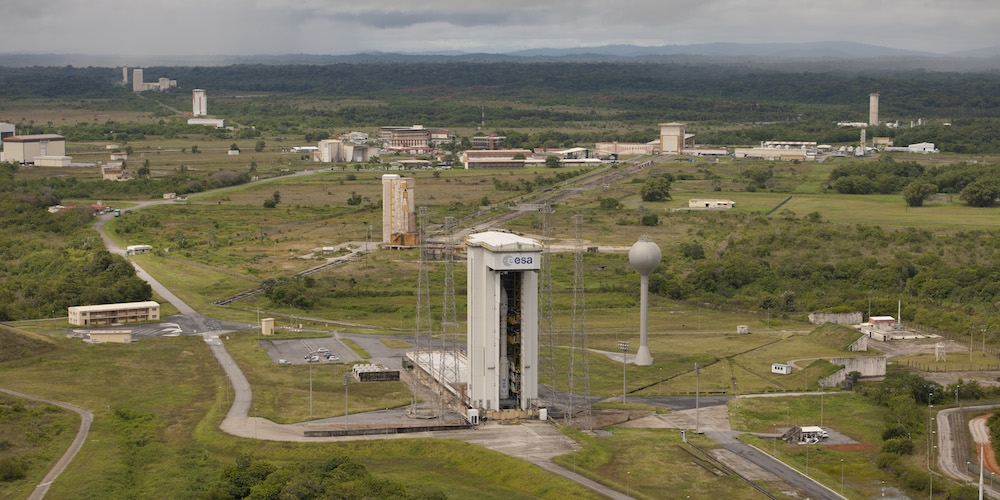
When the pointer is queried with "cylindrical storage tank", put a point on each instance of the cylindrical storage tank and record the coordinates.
(543, 414)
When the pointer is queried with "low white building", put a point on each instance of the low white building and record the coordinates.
(781, 369)
(109, 314)
(711, 203)
(138, 249)
(208, 122)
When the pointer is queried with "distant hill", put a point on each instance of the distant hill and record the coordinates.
(18, 345)
(839, 50)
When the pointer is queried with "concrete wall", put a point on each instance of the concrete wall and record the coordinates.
(868, 366)
(851, 318)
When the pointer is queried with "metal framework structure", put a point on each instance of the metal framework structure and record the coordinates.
(423, 313)
(545, 312)
(578, 359)
(449, 317)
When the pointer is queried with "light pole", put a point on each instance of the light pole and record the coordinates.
(347, 381)
(984, 340)
(623, 347)
(627, 475)
(310, 386)
(697, 405)
(841, 477)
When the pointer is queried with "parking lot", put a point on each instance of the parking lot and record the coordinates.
(299, 351)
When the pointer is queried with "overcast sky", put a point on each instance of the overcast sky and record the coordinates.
(236, 27)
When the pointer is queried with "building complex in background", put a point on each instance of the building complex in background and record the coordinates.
(336, 150)
(399, 216)
(163, 84)
(415, 138)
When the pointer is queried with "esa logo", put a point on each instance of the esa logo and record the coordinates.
(510, 260)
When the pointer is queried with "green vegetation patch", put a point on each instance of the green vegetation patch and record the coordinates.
(33, 436)
(20, 345)
(834, 336)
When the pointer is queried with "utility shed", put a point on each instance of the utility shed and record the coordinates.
(781, 369)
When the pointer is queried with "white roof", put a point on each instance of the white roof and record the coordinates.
(810, 428)
(496, 241)
(114, 307)
(881, 318)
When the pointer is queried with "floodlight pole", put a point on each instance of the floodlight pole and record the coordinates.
(623, 347)
(310, 387)
(697, 405)
(347, 413)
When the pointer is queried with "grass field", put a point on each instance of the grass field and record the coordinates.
(33, 436)
(157, 405)
(651, 464)
(846, 413)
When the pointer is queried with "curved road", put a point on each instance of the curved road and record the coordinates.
(86, 418)
(951, 454)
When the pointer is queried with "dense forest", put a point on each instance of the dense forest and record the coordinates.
(637, 91)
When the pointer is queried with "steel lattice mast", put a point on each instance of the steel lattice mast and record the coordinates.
(546, 312)
(449, 316)
(579, 333)
(423, 313)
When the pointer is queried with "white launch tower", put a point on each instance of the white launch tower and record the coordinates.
(503, 320)
(199, 102)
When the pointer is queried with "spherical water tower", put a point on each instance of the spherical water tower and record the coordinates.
(644, 257)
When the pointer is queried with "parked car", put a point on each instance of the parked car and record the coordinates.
(331, 357)
(323, 350)
(284, 362)
(313, 359)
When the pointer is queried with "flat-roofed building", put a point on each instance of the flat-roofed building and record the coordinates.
(109, 314)
(25, 149)
(491, 141)
(138, 249)
(416, 137)
(110, 336)
(496, 158)
(114, 171)
(711, 203)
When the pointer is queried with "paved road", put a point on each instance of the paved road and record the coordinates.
(778, 468)
(86, 418)
(951, 455)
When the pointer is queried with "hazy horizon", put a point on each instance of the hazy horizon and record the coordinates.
(271, 27)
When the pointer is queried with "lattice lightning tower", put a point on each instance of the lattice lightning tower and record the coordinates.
(578, 340)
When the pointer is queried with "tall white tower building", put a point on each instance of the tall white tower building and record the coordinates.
(199, 102)
(502, 320)
(124, 75)
(873, 109)
(137, 80)
(399, 217)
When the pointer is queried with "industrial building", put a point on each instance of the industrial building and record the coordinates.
(416, 138)
(109, 314)
(47, 150)
(399, 219)
(162, 85)
(499, 158)
(199, 102)
(6, 130)
(267, 326)
(336, 150)
(502, 335)
(491, 141)
(208, 122)
(618, 149)
(673, 138)
(918, 148)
